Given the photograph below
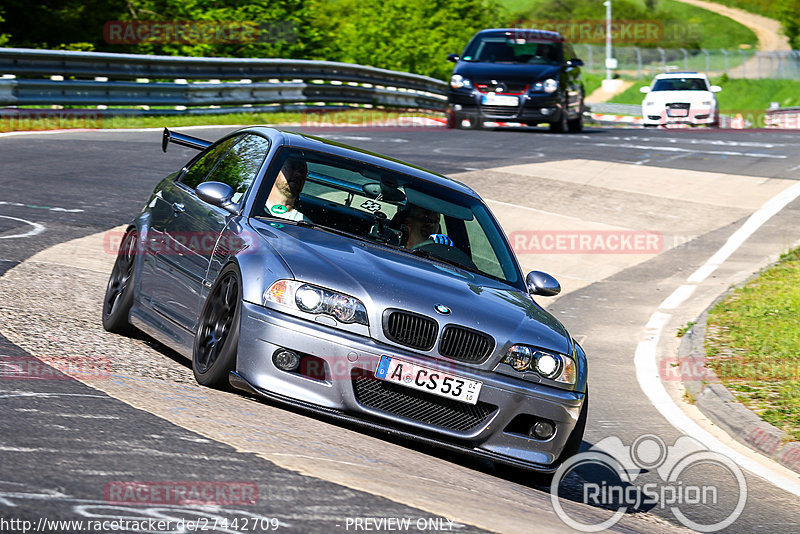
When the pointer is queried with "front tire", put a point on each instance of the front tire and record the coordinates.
(562, 124)
(119, 291)
(576, 125)
(217, 338)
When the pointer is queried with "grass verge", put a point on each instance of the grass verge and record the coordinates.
(752, 343)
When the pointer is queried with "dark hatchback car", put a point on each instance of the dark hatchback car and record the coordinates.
(514, 75)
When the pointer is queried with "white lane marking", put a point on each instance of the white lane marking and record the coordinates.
(34, 206)
(689, 150)
(677, 297)
(694, 141)
(753, 223)
(790, 169)
(36, 228)
(645, 360)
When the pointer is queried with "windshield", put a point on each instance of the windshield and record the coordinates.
(508, 50)
(381, 206)
(681, 84)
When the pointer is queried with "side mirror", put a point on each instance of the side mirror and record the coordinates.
(645, 89)
(539, 283)
(217, 194)
(715, 88)
(575, 62)
(453, 58)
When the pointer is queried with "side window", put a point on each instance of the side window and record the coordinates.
(238, 168)
(201, 167)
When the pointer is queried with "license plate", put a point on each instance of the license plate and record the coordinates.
(677, 112)
(493, 99)
(426, 379)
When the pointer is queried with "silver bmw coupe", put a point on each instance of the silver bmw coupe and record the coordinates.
(355, 286)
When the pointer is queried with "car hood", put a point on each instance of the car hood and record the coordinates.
(384, 278)
(481, 72)
(667, 97)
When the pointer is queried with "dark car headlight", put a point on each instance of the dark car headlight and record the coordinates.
(459, 82)
(548, 86)
(317, 300)
(550, 365)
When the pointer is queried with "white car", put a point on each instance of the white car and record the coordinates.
(680, 98)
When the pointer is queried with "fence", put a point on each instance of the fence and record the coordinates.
(647, 62)
(48, 77)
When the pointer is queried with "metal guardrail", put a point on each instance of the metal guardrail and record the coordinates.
(189, 81)
(616, 109)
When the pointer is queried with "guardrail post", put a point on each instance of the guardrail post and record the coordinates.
(705, 53)
(638, 61)
(663, 59)
(7, 97)
(685, 59)
(744, 64)
(589, 57)
(725, 53)
(758, 63)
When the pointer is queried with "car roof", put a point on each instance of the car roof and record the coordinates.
(526, 33)
(299, 140)
(684, 74)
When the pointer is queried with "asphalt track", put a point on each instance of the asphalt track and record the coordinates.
(63, 442)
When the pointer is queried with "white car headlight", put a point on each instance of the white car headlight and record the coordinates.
(548, 86)
(317, 300)
(705, 103)
(547, 364)
(458, 82)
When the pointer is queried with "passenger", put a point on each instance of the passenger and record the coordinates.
(284, 194)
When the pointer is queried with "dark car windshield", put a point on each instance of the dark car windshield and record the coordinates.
(382, 206)
(680, 84)
(501, 49)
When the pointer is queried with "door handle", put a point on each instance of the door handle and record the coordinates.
(178, 207)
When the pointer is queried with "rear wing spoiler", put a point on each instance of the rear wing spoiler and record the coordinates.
(183, 140)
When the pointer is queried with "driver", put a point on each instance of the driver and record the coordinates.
(423, 224)
(284, 194)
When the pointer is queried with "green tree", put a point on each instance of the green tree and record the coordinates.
(407, 35)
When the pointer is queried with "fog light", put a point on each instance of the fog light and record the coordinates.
(542, 430)
(546, 111)
(286, 360)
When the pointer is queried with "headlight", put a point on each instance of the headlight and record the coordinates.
(457, 82)
(706, 103)
(548, 365)
(548, 86)
(317, 300)
(648, 104)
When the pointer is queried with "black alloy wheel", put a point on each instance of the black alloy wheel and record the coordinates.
(119, 292)
(217, 338)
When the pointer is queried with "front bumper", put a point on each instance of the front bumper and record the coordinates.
(492, 430)
(533, 108)
(695, 117)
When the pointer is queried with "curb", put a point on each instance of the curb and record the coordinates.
(718, 404)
